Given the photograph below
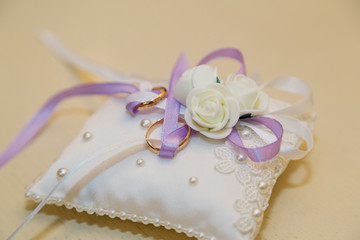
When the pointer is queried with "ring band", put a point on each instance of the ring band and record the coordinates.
(154, 101)
(157, 124)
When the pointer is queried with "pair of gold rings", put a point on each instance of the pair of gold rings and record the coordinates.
(151, 103)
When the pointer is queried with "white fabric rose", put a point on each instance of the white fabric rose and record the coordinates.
(214, 107)
(246, 91)
(212, 111)
(200, 76)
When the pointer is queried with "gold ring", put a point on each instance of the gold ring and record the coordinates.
(157, 124)
(152, 102)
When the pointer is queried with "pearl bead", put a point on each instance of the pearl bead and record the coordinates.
(27, 195)
(245, 134)
(37, 198)
(140, 162)
(79, 208)
(240, 157)
(167, 225)
(145, 123)
(68, 205)
(90, 211)
(193, 180)
(122, 215)
(145, 220)
(58, 202)
(257, 213)
(87, 136)
(262, 185)
(156, 222)
(61, 172)
(100, 212)
(112, 214)
(178, 228)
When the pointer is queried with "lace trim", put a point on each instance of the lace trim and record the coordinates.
(257, 179)
(122, 215)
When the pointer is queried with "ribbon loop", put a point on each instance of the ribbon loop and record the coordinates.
(300, 129)
(226, 53)
(264, 153)
(296, 86)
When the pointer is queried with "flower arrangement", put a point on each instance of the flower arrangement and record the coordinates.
(214, 106)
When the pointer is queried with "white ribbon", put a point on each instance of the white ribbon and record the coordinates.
(53, 43)
(292, 85)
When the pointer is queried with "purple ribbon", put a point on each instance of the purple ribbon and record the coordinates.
(131, 107)
(264, 153)
(171, 139)
(226, 53)
(38, 121)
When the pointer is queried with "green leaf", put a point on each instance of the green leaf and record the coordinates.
(217, 80)
(247, 115)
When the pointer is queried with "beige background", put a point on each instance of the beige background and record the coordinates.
(318, 41)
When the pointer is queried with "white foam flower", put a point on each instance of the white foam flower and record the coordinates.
(212, 110)
(251, 99)
(199, 76)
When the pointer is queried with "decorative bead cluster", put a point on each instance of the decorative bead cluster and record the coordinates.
(124, 216)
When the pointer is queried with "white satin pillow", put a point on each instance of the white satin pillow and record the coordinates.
(208, 191)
